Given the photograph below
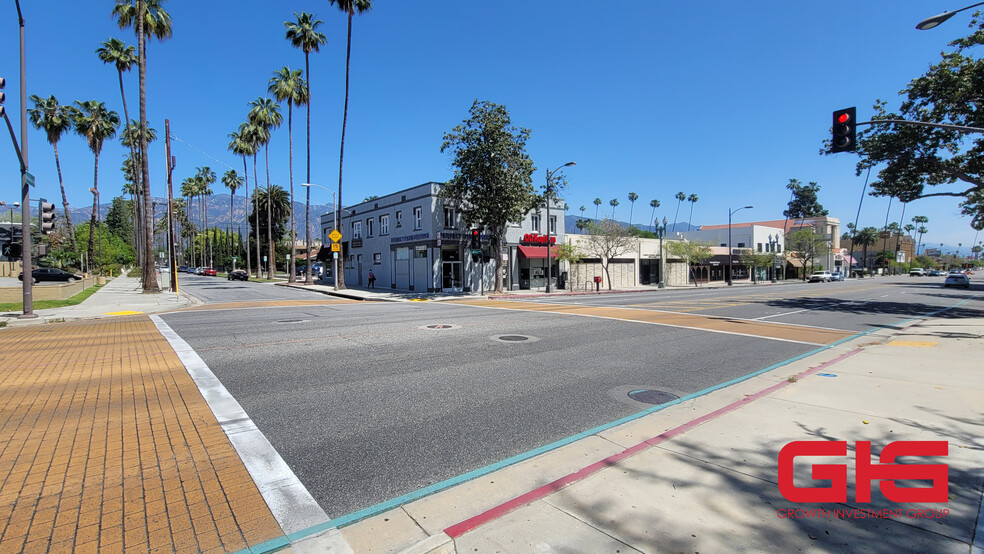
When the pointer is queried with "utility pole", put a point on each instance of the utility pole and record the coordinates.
(27, 180)
(172, 260)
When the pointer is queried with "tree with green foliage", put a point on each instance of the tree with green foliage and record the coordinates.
(288, 85)
(924, 162)
(242, 144)
(119, 219)
(265, 116)
(96, 124)
(492, 185)
(864, 238)
(54, 120)
(754, 260)
(693, 253)
(275, 203)
(613, 203)
(680, 197)
(597, 203)
(570, 254)
(632, 200)
(808, 245)
(608, 239)
(804, 203)
(693, 198)
(652, 217)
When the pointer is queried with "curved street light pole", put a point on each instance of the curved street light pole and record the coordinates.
(335, 220)
(731, 213)
(660, 231)
(548, 196)
(931, 22)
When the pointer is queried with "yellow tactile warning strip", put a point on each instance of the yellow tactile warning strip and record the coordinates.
(269, 304)
(762, 329)
(107, 445)
(913, 343)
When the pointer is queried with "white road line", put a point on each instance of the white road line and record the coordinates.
(784, 313)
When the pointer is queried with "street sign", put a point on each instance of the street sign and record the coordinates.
(335, 236)
(335, 247)
(476, 251)
(235, 258)
(28, 179)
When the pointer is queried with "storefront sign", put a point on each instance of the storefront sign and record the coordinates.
(411, 238)
(535, 238)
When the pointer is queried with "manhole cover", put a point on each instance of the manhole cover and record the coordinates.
(439, 326)
(652, 396)
(513, 338)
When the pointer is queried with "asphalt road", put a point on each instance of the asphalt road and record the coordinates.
(367, 403)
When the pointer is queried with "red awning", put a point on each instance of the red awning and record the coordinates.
(537, 252)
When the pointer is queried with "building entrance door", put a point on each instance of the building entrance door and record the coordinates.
(451, 277)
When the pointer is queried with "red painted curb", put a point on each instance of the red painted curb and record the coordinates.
(471, 523)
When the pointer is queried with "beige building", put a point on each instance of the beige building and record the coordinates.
(829, 227)
(639, 265)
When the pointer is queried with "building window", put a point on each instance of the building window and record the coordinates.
(449, 222)
(384, 224)
(535, 221)
(357, 229)
(369, 226)
(741, 245)
(778, 248)
(760, 247)
(553, 225)
(399, 218)
(416, 218)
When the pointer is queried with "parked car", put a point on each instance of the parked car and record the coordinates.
(957, 280)
(837, 276)
(936, 273)
(51, 274)
(210, 272)
(820, 277)
(917, 272)
(238, 275)
(199, 271)
(182, 269)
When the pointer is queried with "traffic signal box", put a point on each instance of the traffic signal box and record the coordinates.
(46, 216)
(844, 131)
(476, 245)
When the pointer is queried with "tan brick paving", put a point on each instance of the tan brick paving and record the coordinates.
(107, 445)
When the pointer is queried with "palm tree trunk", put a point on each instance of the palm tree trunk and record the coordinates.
(690, 221)
(677, 215)
(271, 262)
(340, 278)
(290, 172)
(307, 200)
(149, 274)
(256, 212)
(249, 266)
(652, 220)
(136, 176)
(61, 184)
(232, 202)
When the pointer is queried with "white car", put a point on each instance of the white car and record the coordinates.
(957, 280)
(820, 277)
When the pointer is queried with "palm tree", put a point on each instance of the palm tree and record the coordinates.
(130, 137)
(54, 119)
(350, 8)
(693, 200)
(242, 144)
(582, 214)
(189, 190)
(96, 124)
(148, 17)
(866, 237)
(632, 198)
(597, 202)
(287, 84)
(680, 196)
(654, 204)
(613, 202)
(206, 177)
(232, 181)
(919, 220)
(304, 35)
(116, 52)
(265, 116)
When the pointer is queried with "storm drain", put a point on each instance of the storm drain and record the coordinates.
(654, 397)
(439, 327)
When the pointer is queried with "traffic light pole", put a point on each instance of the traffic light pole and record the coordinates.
(27, 281)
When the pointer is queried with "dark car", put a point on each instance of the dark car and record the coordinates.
(182, 269)
(51, 274)
(238, 275)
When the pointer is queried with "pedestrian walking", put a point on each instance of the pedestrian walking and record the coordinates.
(372, 280)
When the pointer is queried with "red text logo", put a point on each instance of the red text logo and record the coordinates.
(886, 472)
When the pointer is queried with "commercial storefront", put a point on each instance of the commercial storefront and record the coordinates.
(413, 241)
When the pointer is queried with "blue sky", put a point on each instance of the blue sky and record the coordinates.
(728, 100)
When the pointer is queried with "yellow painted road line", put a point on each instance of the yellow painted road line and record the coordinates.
(266, 304)
(760, 329)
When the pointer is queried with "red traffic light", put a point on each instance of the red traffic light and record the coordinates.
(843, 118)
(475, 232)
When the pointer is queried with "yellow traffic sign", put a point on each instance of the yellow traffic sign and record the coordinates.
(335, 236)
(335, 247)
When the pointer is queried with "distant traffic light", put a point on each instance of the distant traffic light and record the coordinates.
(844, 131)
(476, 240)
(46, 216)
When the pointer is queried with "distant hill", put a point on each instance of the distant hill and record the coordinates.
(218, 212)
(570, 225)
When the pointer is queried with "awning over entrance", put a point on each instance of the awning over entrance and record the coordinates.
(537, 252)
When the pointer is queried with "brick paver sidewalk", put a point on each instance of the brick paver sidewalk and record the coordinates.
(106, 444)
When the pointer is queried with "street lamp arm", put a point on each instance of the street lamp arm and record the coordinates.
(931, 22)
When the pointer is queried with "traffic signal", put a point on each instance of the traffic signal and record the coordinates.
(476, 241)
(46, 217)
(845, 131)
(3, 83)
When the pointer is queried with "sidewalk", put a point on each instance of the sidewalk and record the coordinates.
(701, 475)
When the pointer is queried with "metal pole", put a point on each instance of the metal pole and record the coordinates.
(170, 208)
(729, 246)
(28, 267)
(548, 231)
